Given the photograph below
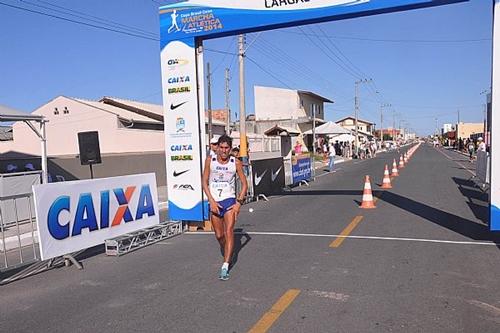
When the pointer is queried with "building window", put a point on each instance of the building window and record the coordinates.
(65, 111)
(301, 102)
(56, 111)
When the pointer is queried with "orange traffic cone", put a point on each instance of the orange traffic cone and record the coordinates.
(386, 182)
(394, 172)
(367, 202)
(401, 162)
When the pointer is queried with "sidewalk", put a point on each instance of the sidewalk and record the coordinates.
(323, 164)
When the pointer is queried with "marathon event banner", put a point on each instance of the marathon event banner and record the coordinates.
(76, 215)
(301, 168)
(268, 176)
(495, 126)
(182, 24)
(213, 18)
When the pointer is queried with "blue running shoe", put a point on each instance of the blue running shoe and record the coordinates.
(224, 274)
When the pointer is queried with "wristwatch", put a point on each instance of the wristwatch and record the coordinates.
(241, 201)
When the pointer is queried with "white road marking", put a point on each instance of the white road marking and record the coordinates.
(451, 159)
(421, 240)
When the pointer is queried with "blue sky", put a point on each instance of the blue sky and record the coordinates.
(427, 63)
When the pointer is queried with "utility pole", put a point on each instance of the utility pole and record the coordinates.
(393, 126)
(228, 111)
(456, 130)
(356, 111)
(243, 134)
(382, 106)
(209, 102)
(381, 124)
(314, 130)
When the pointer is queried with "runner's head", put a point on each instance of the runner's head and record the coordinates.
(225, 143)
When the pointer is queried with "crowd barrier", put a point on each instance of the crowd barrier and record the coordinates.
(18, 235)
(483, 167)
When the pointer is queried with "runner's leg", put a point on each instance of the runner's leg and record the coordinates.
(218, 225)
(229, 222)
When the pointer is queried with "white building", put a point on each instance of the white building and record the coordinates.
(124, 126)
(286, 104)
(291, 111)
(447, 128)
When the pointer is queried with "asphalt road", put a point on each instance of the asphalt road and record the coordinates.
(422, 261)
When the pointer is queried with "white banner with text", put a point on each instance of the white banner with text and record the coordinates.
(76, 215)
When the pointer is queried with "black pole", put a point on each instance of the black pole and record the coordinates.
(91, 171)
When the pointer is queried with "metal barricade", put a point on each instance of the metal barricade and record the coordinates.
(18, 236)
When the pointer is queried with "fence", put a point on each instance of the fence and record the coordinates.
(262, 144)
(18, 236)
(483, 167)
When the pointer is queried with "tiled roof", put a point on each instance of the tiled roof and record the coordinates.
(122, 113)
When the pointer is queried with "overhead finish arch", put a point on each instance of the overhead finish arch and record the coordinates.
(183, 27)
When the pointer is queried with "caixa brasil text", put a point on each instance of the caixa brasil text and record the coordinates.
(85, 216)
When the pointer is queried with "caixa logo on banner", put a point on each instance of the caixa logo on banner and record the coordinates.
(94, 214)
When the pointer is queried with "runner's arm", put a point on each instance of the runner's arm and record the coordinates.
(204, 183)
(243, 179)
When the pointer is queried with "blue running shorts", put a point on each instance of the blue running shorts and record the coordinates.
(226, 204)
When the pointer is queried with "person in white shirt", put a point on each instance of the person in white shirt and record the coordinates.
(219, 184)
(481, 146)
(214, 143)
(331, 157)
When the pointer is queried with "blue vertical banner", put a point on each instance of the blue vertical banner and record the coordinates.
(301, 168)
(495, 124)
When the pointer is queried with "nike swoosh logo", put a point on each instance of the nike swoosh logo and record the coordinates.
(258, 179)
(274, 175)
(173, 107)
(177, 174)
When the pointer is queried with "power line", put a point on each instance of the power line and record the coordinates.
(225, 55)
(78, 22)
(399, 40)
(103, 20)
(303, 69)
(268, 72)
(347, 70)
(356, 69)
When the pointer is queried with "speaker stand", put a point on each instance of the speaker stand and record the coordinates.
(91, 171)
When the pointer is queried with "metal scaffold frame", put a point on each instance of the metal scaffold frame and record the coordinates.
(135, 240)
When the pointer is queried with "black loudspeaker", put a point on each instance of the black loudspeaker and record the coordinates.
(88, 143)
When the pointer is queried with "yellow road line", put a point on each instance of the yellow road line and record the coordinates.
(268, 319)
(339, 240)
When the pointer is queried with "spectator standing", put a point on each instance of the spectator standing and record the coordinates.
(470, 148)
(481, 146)
(331, 157)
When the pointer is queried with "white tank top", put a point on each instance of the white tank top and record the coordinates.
(222, 179)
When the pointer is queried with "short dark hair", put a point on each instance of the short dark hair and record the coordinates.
(227, 139)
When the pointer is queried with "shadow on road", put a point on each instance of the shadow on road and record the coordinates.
(477, 200)
(325, 192)
(465, 227)
(239, 244)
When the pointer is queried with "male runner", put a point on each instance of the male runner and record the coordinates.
(219, 180)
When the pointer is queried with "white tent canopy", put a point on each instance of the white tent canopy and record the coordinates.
(8, 114)
(342, 137)
(329, 128)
